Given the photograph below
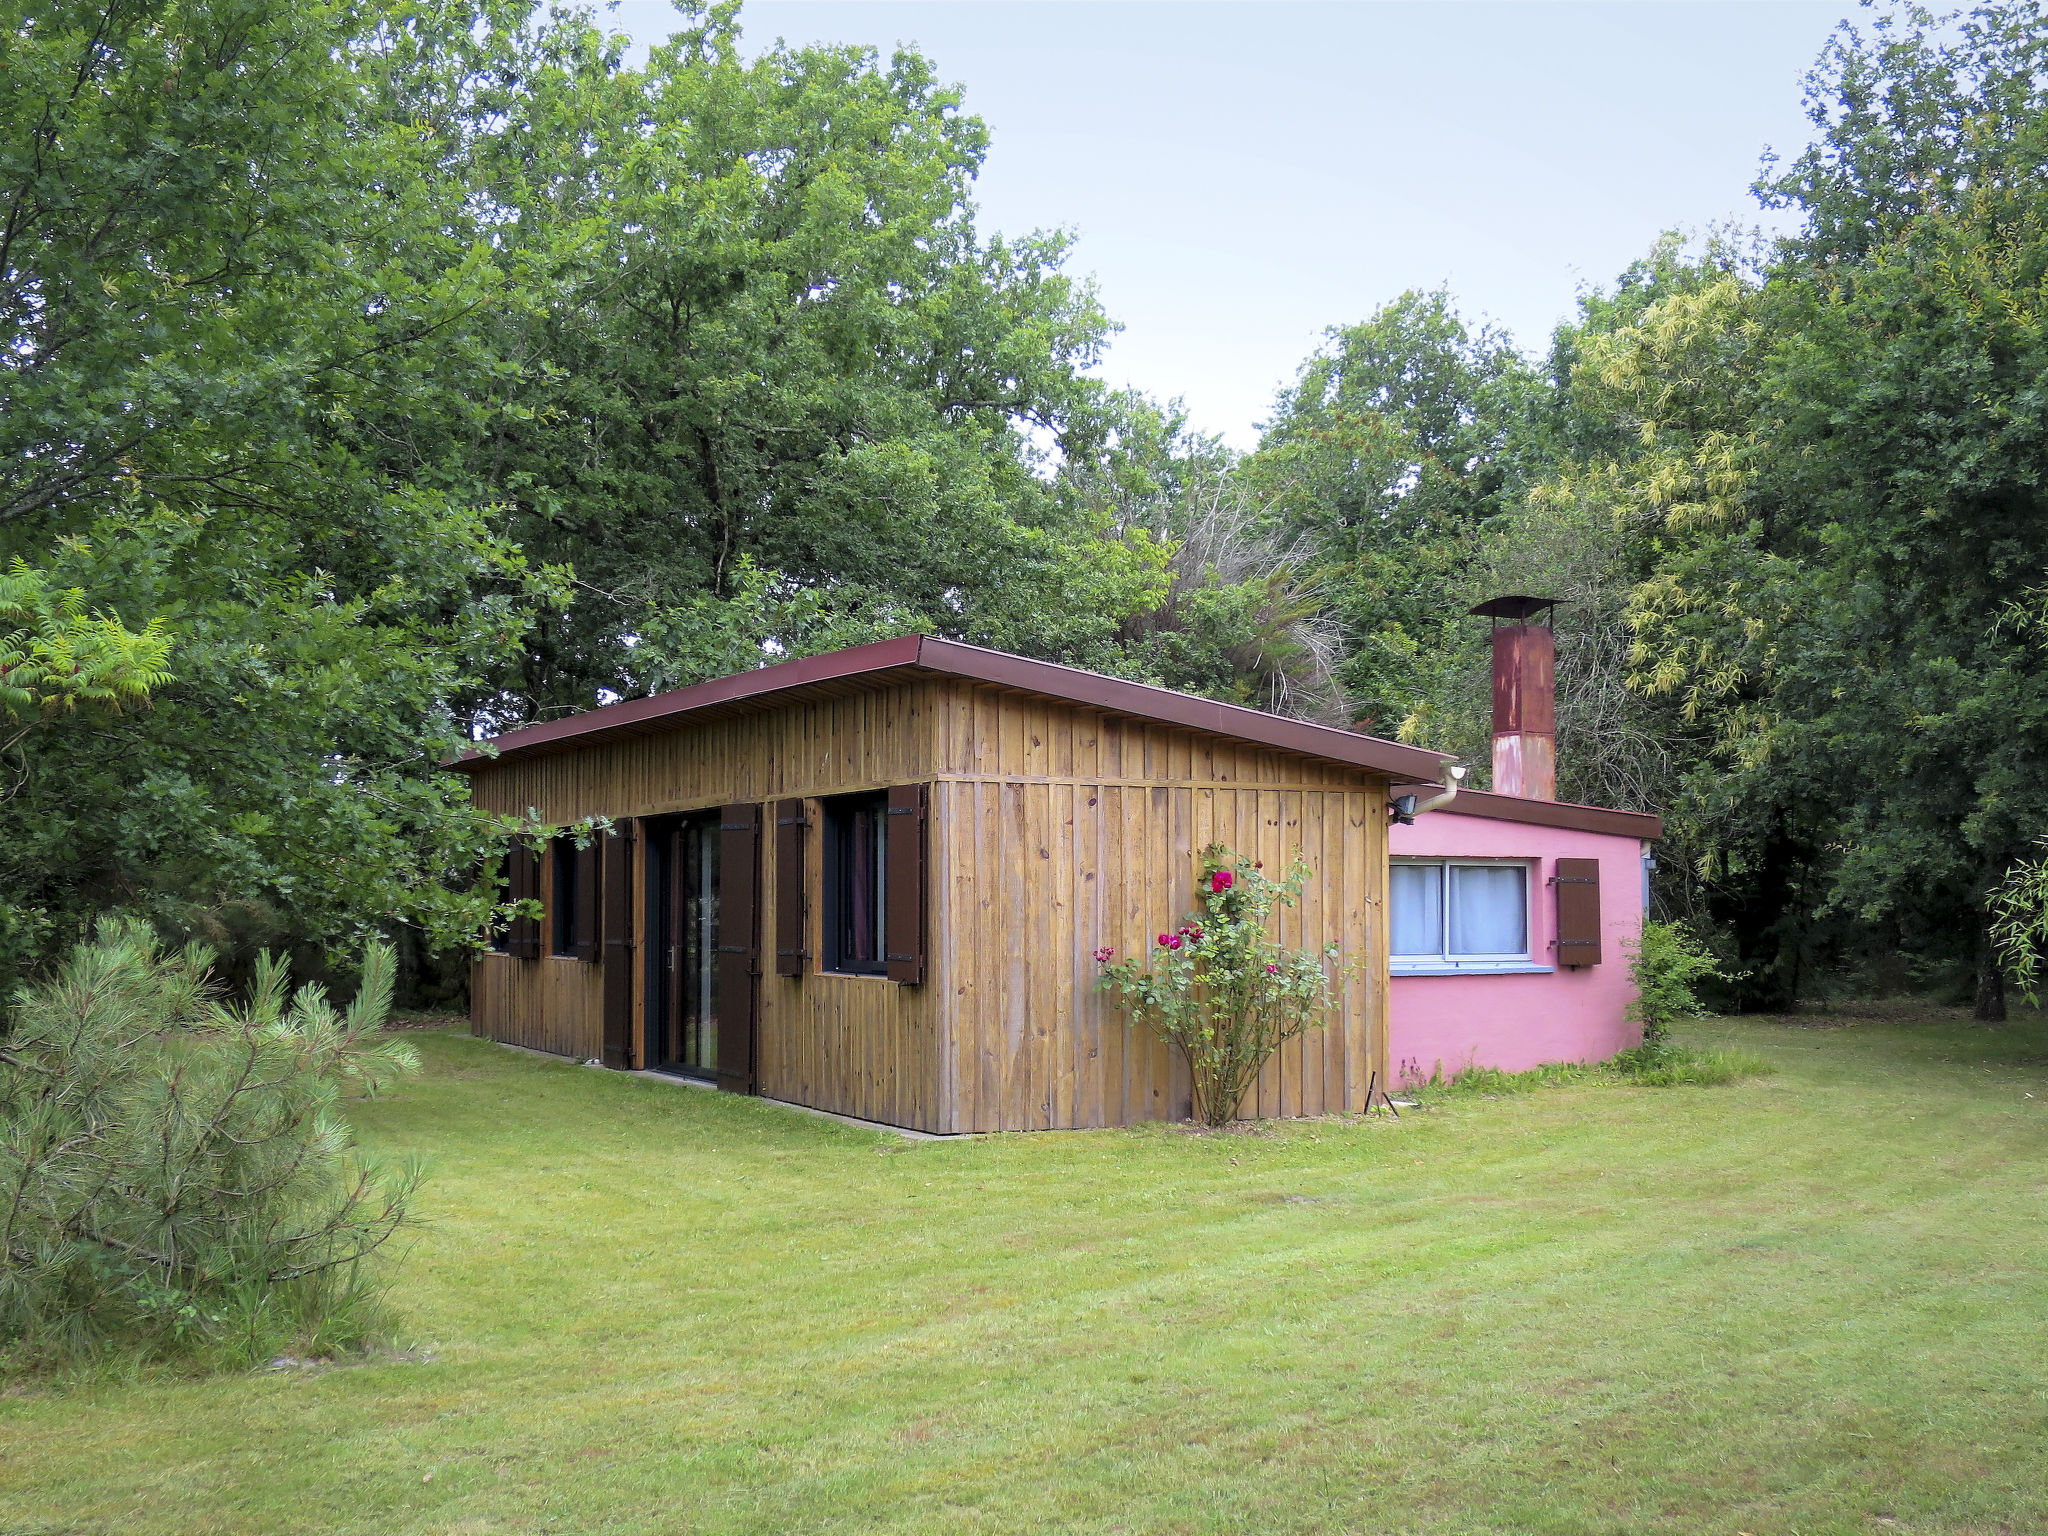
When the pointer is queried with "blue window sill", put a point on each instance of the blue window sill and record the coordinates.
(1472, 968)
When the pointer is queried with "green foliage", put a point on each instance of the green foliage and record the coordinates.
(175, 1172)
(414, 371)
(1221, 989)
(770, 353)
(2019, 922)
(1388, 456)
(239, 393)
(1666, 969)
(62, 656)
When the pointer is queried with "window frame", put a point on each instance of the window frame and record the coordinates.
(1442, 961)
(838, 813)
(562, 935)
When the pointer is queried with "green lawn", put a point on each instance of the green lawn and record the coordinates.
(1814, 1303)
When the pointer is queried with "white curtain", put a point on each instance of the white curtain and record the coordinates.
(1489, 910)
(1418, 909)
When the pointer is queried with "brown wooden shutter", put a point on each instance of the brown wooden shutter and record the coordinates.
(524, 943)
(903, 897)
(586, 929)
(790, 890)
(617, 865)
(739, 943)
(1578, 911)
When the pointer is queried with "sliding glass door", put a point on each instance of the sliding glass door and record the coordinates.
(683, 1007)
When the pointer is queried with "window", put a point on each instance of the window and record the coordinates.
(1455, 912)
(856, 856)
(563, 914)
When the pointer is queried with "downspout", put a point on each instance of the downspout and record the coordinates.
(1453, 775)
(1406, 807)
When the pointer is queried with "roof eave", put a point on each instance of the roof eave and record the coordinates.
(886, 661)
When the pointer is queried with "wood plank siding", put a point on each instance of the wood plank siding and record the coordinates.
(1055, 829)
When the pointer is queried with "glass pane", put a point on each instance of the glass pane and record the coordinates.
(699, 978)
(1418, 909)
(862, 844)
(1489, 913)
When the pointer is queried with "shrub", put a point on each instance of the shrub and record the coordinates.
(1220, 989)
(175, 1178)
(1667, 966)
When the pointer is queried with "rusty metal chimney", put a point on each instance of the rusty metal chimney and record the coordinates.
(1524, 696)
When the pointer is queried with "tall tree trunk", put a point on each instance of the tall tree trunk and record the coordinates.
(1990, 980)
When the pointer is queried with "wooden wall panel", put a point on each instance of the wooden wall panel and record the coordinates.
(554, 1003)
(1056, 832)
(819, 747)
(550, 1004)
(854, 1045)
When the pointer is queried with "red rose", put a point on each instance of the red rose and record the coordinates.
(1221, 881)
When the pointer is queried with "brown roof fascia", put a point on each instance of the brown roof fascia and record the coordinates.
(888, 661)
(1546, 813)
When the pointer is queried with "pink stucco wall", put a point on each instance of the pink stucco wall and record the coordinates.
(1519, 1021)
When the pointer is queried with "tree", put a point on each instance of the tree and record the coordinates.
(1388, 455)
(174, 1175)
(770, 357)
(236, 394)
(1840, 465)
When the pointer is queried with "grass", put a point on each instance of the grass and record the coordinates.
(1666, 1067)
(1813, 1303)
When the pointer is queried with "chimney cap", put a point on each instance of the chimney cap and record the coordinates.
(1520, 609)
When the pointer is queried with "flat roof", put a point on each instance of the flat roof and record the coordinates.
(867, 667)
(1545, 813)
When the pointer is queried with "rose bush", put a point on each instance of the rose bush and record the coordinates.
(1220, 988)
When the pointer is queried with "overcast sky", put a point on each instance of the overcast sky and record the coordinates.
(1242, 176)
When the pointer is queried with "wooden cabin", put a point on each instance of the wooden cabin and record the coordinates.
(873, 882)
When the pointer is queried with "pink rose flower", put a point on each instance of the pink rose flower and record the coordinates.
(1165, 939)
(1102, 955)
(1272, 970)
(1221, 881)
(1173, 941)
